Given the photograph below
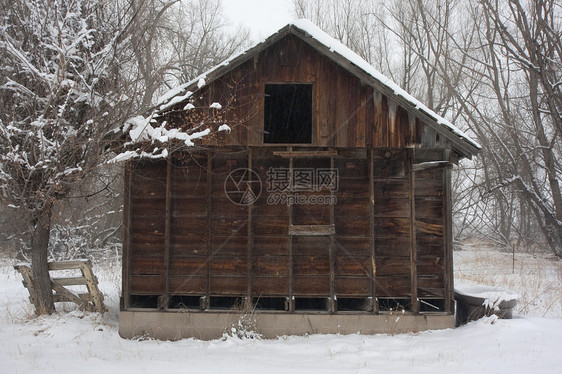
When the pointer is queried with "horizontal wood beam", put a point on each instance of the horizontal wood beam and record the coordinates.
(70, 281)
(84, 296)
(312, 230)
(305, 154)
(67, 295)
(67, 265)
(432, 165)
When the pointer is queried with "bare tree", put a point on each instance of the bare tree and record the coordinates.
(59, 97)
(199, 39)
(173, 41)
(71, 73)
(522, 70)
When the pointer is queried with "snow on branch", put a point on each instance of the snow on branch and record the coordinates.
(152, 136)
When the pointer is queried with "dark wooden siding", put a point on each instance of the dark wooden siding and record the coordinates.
(389, 240)
(392, 225)
(147, 204)
(346, 111)
(430, 232)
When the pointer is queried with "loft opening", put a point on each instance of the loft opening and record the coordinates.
(288, 113)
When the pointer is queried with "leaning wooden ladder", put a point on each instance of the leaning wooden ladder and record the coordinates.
(91, 301)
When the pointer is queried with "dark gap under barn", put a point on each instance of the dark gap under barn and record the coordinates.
(393, 305)
(311, 303)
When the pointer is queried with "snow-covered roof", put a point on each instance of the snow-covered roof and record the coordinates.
(341, 54)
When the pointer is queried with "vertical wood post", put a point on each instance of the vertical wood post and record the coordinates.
(250, 232)
(126, 251)
(448, 235)
(332, 247)
(290, 207)
(164, 301)
(209, 224)
(92, 285)
(372, 202)
(413, 250)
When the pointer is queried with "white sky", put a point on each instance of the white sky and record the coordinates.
(263, 17)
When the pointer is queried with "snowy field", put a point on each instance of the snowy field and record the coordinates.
(72, 341)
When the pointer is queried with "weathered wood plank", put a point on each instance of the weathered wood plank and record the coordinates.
(147, 284)
(306, 154)
(311, 245)
(352, 246)
(316, 214)
(353, 226)
(432, 165)
(188, 285)
(92, 285)
(353, 266)
(67, 265)
(392, 246)
(188, 245)
(353, 188)
(270, 286)
(233, 245)
(188, 266)
(229, 266)
(430, 265)
(352, 207)
(413, 230)
(25, 271)
(391, 227)
(393, 286)
(61, 298)
(393, 266)
(311, 286)
(66, 295)
(352, 286)
(271, 245)
(70, 281)
(311, 265)
(229, 226)
(270, 265)
(147, 265)
(189, 207)
(270, 225)
(228, 285)
(312, 230)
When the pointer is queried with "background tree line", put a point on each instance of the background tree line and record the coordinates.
(493, 67)
(72, 71)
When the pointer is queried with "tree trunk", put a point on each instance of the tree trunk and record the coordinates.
(41, 229)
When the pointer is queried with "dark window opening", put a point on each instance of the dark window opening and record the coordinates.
(432, 305)
(185, 302)
(395, 305)
(355, 304)
(143, 301)
(312, 304)
(226, 302)
(288, 113)
(270, 303)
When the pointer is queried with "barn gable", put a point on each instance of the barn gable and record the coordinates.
(347, 93)
(326, 209)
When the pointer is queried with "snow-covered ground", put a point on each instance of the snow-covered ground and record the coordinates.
(73, 341)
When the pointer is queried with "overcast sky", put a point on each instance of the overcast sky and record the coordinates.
(264, 17)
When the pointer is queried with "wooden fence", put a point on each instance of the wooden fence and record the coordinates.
(91, 300)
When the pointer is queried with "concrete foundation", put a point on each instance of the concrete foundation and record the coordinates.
(211, 325)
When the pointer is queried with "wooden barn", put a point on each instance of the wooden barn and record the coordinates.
(325, 209)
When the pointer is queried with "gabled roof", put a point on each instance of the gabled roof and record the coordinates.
(347, 59)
